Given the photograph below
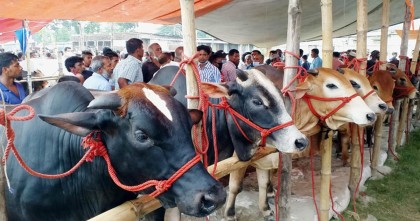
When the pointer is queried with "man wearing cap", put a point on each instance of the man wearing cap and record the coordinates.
(374, 56)
(229, 68)
(208, 72)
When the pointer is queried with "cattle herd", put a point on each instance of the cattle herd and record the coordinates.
(146, 131)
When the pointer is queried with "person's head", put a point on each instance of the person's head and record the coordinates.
(68, 51)
(336, 54)
(245, 54)
(204, 53)
(255, 54)
(272, 52)
(87, 58)
(275, 58)
(374, 54)
(300, 52)
(38, 85)
(164, 58)
(106, 50)
(134, 47)
(9, 65)
(102, 65)
(314, 53)
(179, 52)
(248, 59)
(351, 55)
(305, 57)
(394, 54)
(234, 56)
(74, 64)
(155, 50)
(113, 56)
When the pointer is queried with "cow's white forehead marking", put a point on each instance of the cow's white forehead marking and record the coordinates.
(158, 102)
(258, 78)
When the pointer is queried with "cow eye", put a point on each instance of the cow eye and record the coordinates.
(402, 80)
(374, 87)
(257, 102)
(354, 84)
(332, 86)
(141, 136)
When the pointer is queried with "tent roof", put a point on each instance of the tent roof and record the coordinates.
(262, 22)
(9, 26)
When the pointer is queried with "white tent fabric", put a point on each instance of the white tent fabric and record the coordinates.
(264, 22)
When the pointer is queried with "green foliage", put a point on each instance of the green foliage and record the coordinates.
(125, 27)
(92, 27)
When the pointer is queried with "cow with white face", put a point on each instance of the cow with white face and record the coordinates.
(325, 95)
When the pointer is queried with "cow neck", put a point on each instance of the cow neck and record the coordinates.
(344, 101)
(401, 91)
(305, 120)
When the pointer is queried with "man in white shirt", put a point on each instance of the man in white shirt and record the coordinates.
(129, 70)
(101, 67)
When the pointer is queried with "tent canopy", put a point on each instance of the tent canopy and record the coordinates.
(9, 26)
(262, 23)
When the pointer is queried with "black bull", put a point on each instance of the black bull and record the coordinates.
(144, 140)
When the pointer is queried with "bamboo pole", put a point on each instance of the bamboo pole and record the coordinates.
(383, 56)
(326, 144)
(292, 45)
(413, 70)
(403, 121)
(28, 55)
(384, 33)
(394, 126)
(377, 145)
(326, 151)
(357, 132)
(409, 118)
(402, 67)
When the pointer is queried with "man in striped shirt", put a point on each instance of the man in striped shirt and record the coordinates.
(208, 72)
(129, 70)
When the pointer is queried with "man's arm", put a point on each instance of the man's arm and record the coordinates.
(122, 82)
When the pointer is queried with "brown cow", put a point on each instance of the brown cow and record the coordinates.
(363, 87)
(325, 83)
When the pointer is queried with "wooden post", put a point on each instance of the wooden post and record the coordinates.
(326, 144)
(293, 42)
(28, 56)
(357, 131)
(413, 70)
(377, 145)
(326, 151)
(384, 33)
(403, 121)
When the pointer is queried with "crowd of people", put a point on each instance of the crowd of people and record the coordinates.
(112, 70)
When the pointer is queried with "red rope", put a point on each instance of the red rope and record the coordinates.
(356, 64)
(344, 100)
(96, 148)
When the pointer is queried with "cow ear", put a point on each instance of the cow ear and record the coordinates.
(79, 123)
(110, 101)
(171, 89)
(195, 115)
(215, 90)
(302, 88)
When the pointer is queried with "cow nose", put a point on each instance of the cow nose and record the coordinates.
(213, 199)
(383, 106)
(390, 110)
(371, 117)
(301, 143)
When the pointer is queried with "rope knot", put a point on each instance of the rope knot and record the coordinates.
(347, 99)
(223, 104)
(265, 133)
(162, 186)
(94, 142)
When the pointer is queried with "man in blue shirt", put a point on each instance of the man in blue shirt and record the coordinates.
(10, 69)
(317, 62)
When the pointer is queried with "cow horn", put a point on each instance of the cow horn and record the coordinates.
(243, 75)
(171, 89)
(107, 101)
(313, 72)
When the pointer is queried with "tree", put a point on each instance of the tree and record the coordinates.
(92, 27)
(170, 30)
(124, 27)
